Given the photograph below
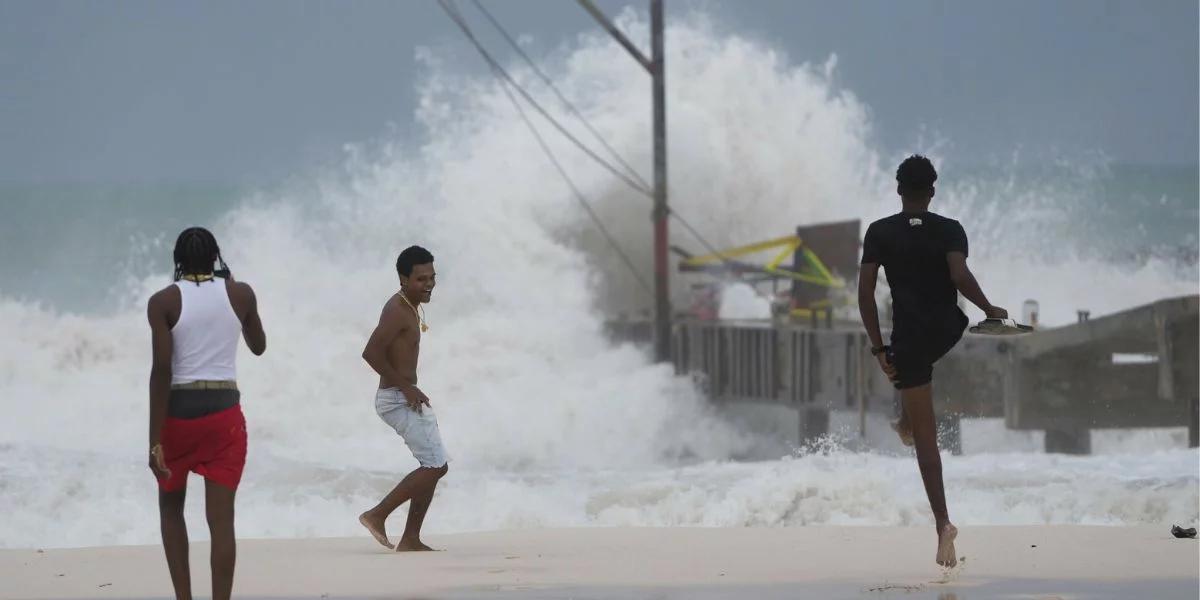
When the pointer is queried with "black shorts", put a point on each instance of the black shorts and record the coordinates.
(193, 404)
(914, 350)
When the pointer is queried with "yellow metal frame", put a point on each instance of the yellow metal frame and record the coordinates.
(789, 245)
(818, 309)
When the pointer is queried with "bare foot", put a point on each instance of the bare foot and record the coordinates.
(946, 555)
(375, 526)
(412, 546)
(903, 431)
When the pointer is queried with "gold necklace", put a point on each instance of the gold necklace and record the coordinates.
(198, 278)
(420, 313)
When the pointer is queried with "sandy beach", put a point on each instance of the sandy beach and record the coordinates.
(1041, 562)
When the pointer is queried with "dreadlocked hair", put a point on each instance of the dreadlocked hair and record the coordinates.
(195, 252)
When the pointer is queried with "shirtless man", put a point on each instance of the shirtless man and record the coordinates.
(925, 257)
(392, 351)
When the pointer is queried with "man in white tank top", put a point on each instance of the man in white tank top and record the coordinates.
(196, 422)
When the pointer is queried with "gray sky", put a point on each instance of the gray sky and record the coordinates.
(255, 91)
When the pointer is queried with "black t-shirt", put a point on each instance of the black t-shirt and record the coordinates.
(911, 248)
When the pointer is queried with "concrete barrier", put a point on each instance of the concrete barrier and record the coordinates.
(1134, 368)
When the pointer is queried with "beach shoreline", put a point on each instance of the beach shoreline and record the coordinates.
(821, 561)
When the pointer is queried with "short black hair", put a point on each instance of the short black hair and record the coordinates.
(196, 251)
(411, 257)
(916, 175)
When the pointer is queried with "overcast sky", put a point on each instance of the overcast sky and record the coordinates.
(254, 91)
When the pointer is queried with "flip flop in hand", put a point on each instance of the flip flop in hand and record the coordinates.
(1000, 327)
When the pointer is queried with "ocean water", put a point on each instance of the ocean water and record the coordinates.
(549, 423)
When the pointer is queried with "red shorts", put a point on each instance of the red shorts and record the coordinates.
(212, 446)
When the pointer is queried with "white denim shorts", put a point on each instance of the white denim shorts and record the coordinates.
(419, 430)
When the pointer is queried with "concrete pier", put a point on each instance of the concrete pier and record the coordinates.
(1135, 368)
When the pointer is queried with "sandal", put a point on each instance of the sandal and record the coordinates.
(1000, 327)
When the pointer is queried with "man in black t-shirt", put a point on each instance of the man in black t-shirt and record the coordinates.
(925, 258)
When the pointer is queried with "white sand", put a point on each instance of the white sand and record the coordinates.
(858, 558)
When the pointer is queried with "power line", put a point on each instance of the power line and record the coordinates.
(466, 29)
(570, 107)
(503, 75)
(696, 234)
(578, 195)
(567, 103)
(504, 85)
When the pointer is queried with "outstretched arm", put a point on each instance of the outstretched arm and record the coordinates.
(965, 282)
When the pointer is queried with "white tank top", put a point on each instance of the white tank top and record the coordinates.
(205, 339)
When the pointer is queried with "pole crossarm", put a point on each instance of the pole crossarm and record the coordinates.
(612, 30)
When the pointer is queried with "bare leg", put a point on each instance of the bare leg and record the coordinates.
(411, 540)
(902, 428)
(218, 506)
(175, 541)
(406, 490)
(918, 407)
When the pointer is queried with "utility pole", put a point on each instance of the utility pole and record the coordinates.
(655, 65)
